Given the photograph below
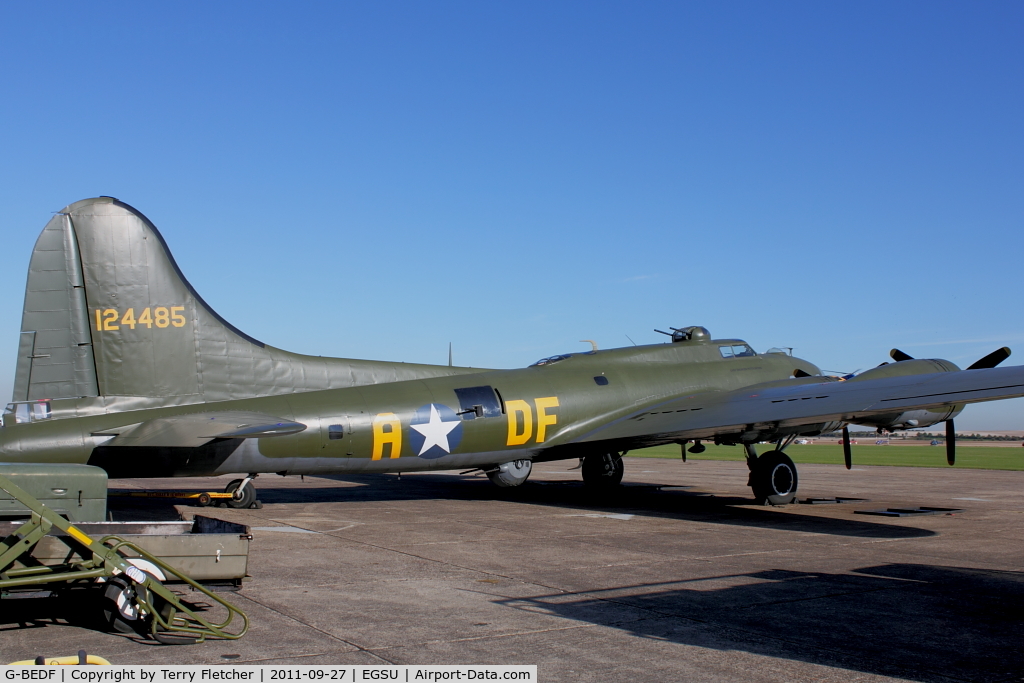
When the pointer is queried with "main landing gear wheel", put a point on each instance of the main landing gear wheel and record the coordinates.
(603, 471)
(243, 500)
(509, 474)
(773, 479)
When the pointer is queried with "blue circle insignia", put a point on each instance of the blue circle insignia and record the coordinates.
(435, 431)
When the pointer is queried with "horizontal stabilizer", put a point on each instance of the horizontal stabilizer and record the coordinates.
(195, 429)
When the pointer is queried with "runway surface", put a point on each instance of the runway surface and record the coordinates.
(677, 577)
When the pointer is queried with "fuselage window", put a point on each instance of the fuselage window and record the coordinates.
(601, 380)
(20, 413)
(470, 397)
(335, 432)
(736, 351)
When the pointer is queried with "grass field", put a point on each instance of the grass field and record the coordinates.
(970, 457)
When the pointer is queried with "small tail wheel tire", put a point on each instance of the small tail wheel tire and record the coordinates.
(204, 499)
(603, 470)
(774, 479)
(247, 497)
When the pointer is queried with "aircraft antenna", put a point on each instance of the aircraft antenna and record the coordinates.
(631, 340)
(449, 354)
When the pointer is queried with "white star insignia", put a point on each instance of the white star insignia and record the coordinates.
(435, 432)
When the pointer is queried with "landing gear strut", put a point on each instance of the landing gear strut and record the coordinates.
(773, 477)
(603, 471)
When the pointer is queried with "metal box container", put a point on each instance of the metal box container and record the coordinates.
(77, 492)
(205, 549)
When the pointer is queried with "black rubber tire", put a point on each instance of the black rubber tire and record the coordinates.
(603, 470)
(113, 617)
(247, 498)
(774, 479)
(204, 499)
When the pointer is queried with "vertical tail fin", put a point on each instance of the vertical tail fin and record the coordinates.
(108, 313)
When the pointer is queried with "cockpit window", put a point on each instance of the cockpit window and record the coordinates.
(736, 351)
(551, 360)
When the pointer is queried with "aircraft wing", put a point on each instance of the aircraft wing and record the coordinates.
(806, 402)
(196, 429)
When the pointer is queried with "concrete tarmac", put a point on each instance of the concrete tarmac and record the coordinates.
(676, 577)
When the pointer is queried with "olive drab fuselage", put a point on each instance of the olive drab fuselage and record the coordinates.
(469, 420)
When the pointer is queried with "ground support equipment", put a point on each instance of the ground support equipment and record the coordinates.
(168, 619)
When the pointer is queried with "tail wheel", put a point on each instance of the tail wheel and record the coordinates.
(774, 479)
(603, 470)
(247, 497)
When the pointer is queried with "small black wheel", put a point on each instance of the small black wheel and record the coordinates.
(603, 471)
(203, 499)
(120, 608)
(247, 497)
(774, 479)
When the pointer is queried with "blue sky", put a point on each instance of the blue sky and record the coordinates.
(377, 180)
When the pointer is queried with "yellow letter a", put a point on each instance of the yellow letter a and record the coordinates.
(392, 436)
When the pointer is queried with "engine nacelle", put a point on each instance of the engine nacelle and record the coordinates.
(910, 419)
(916, 366)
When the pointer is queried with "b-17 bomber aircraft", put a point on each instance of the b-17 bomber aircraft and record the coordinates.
(122, 365)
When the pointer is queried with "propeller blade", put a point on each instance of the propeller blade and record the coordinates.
(847, 450)
(898, 355)
(991, 360)
(950, 443)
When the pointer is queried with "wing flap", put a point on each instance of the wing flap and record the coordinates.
(196, 429)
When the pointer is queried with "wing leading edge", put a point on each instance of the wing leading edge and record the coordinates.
(730, 414)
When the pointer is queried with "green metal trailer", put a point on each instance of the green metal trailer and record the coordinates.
(49, 551)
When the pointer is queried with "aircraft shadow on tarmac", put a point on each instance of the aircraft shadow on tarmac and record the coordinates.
(639, 499)
(649, 500)
(919, 622)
